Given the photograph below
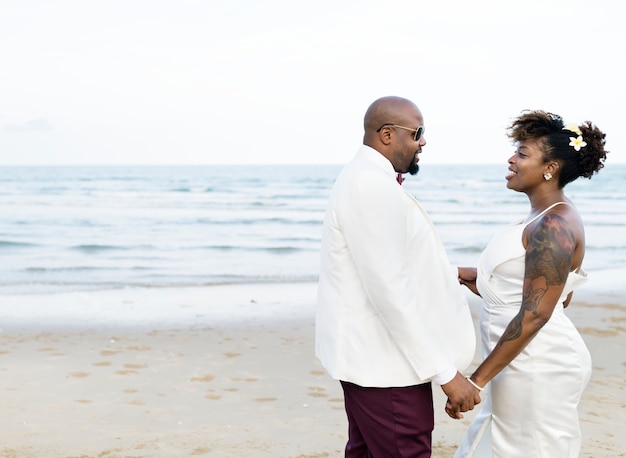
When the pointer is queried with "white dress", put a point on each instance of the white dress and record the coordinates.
(530, 407)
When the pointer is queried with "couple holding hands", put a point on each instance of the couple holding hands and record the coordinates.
(392, 316)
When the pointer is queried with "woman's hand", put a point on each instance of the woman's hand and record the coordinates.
(467, 277)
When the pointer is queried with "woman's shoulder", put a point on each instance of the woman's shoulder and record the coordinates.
(567, 211)
(562, 209)
(560, 220)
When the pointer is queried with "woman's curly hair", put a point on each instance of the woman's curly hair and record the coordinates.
(554, 139)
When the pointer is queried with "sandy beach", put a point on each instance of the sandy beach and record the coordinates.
(224, 371)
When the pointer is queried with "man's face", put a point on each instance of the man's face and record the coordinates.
(409, 151)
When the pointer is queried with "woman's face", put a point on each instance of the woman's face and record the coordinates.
(526, 166)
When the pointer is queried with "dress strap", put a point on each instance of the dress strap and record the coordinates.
(545, 211)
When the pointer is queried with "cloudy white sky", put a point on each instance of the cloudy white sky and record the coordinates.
(288, 81)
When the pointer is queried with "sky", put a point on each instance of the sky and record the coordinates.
(288, 82)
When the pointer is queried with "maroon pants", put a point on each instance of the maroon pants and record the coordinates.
(389, 422)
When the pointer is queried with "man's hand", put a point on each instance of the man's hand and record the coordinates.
(462, 396)
(467, 277)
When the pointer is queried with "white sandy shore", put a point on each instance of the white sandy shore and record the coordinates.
(224, 371)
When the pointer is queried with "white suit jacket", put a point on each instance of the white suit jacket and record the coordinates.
(390, 308)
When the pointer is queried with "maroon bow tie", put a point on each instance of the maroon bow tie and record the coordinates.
(399, 178)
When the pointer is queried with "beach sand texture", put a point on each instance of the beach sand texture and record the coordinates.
(225, 371)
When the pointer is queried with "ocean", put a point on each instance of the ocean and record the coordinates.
(86, 228)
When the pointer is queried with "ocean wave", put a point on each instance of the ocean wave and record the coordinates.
(469, 249)
(56, 286)
(470, 222)
(261, 220)
(74, 269)
(90, 248)
(12, 244)
(241, 248)
(95, 248)
(596, 222)
(193, 189)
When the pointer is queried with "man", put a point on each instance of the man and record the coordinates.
(391, 314)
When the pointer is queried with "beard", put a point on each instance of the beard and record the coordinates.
(413, 168)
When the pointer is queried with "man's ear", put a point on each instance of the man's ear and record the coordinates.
(385, 135)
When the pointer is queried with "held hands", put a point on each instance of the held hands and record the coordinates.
(462, 396)
(467, 277)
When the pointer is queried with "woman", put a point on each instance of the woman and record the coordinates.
(536, 361)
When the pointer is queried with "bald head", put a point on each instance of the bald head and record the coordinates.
(387, 110)
(388, 125)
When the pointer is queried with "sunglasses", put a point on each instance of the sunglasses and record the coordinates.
(418, 132)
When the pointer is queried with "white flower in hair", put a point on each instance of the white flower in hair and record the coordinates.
(573, 128)
(577, 142)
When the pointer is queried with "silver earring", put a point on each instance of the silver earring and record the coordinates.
(547, 176)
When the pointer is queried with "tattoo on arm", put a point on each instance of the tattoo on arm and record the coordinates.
(550, 249)
(513, 330)
(548, 261)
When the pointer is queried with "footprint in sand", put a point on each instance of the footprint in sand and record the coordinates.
(139, 348)
(103, 363)
(203, 378)
(79, 374)
(317, 392)
(292, 340)
(137, 402)
(212, 396)
(232, 355)
(265, 399)
(249, 379)
(50, 349)
(110, 352)
(598, 332)
(615, 319)
(613, 307)
(126, 372)
(135, 366)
